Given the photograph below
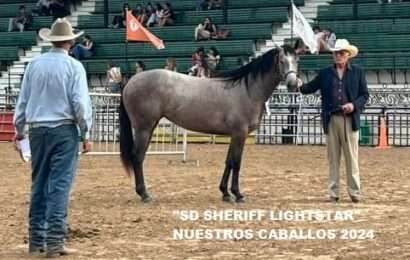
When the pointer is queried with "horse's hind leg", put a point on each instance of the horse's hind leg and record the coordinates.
(142, 138)
(223, 187)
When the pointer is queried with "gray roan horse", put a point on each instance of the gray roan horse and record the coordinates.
(231, 104)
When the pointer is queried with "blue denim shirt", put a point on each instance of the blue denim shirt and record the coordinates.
(356, 91)
(54, 92)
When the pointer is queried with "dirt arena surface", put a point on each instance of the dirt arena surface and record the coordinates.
(107, 221)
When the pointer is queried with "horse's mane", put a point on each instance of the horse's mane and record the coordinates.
(261, 65)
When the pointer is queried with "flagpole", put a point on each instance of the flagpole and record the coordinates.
(127, 67)
(291, 22)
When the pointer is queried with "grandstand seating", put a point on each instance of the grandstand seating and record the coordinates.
(381, 33)
(97, 67)
(185, 33)
(20, 39)
(365, 11)
(115, 6)
(11, 10)
(38, 22)
(8, 53)
(247, 20)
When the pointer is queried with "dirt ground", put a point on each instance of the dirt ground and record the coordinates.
(107, 221)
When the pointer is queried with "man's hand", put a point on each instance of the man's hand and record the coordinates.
(16, 139)
(87, 146)
(348, 108)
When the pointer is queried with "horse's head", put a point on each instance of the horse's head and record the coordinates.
(288, 66)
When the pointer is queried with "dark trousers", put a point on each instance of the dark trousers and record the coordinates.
(54, 161)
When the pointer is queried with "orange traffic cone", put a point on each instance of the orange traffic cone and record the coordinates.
(383, 143)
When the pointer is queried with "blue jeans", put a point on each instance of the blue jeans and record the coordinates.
(80, 51)
(54, 161)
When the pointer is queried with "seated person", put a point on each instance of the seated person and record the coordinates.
(212, 60)
(58, 9)
(208, 30)
(321, 39)
(139, 67)
(85, 49)
(171, 64)
(156, 15)
(215, 4)
(120, 21)
(199, 66)
(21, 22)
(210, 4)
(42, 8)
(139, 13)
(167, 17)
(114, 77)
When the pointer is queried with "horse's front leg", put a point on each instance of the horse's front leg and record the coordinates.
(236, 158)
(223, 187)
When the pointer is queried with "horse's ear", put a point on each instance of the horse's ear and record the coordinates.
(281, 51)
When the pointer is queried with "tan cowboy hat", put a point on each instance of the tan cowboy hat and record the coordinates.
(344, 45)
(61, 30)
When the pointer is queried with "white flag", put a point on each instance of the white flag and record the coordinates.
(303, 29)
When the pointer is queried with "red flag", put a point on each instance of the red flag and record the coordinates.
(137, 32)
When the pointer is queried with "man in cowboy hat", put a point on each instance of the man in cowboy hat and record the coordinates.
(343, 88)
(54, 102)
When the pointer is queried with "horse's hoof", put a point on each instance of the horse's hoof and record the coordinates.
(227, 198)
(146, 199)
(240, 199)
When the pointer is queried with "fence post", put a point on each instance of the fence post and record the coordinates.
(106, 13)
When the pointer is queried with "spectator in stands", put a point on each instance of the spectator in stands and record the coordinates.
(58, 9)
(114, 77)
(300, 47)
(330, 38)
(139, 13)
(54, 116)
(209, 4)
(171, 64)
(321, 39)
(42, 8)
(203, 5)
(199, 66)
(149, 10)
(86, 49)
(343, 88)
(21, 22)
(139, 67)
(156, 15)
(215, 4)
(75, 3)
(167, 17)
(212, 60)
(208, 30)
(120, 21)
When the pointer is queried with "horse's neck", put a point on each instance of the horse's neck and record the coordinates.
(264, 87)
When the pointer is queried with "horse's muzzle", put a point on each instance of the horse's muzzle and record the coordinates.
(291, 80)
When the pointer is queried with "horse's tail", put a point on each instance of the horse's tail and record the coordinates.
(126, 138)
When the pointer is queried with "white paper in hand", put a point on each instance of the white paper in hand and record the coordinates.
(25, 151)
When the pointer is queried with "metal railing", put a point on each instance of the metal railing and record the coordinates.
(294, 119)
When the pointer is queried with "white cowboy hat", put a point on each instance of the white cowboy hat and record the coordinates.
(61, 30)
(344, 45)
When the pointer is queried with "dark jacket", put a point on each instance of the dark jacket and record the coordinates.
(356, 91)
